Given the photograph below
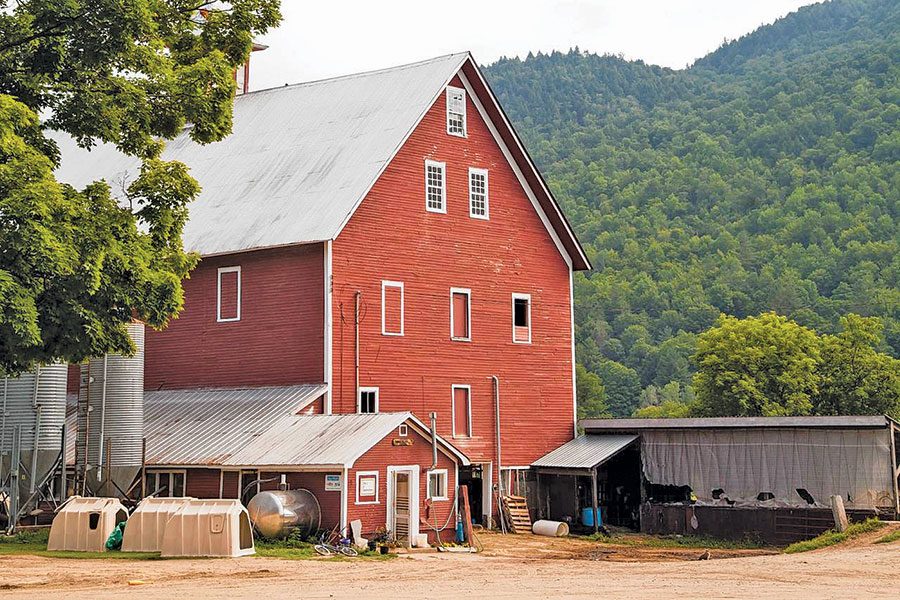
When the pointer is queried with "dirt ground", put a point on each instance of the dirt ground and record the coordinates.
(510, 567)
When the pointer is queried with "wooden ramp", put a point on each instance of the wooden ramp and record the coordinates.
(515, 511)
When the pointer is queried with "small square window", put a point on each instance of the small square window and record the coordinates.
(521, 309)
(368, 401)
(437, 484)
(435, 187)
(460, 314)
(478, 193)
(403, 430)
(456, 111)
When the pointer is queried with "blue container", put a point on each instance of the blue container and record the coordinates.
(587, 517)
(460, 534)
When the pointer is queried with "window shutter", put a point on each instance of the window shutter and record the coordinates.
(393, 308)
(460, 315)
(461, 412)
(229, 294)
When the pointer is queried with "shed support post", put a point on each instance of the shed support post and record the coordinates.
(540, 495)
(895, 468)
(594, 499)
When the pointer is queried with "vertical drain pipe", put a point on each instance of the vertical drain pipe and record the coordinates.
(497, 419)
(37, 429)
(356, 296)
(434, 460)
(102, 419)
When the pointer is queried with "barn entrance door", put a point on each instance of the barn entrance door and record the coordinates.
(403, 503)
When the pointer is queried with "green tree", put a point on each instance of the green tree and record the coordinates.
(758, 366)
(622, 386)
(75, 266)
(590, 394)
(855, 378)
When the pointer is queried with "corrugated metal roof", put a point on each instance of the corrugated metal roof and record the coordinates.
(850, 422)
(299, 159)
(205, 426)
(585, 452)
(256, 427)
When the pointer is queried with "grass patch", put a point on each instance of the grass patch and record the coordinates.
(296, 547)
(671, 541)
(891, 537)
(830, 538)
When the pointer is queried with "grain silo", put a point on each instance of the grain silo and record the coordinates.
(32, 418)
(113, 387)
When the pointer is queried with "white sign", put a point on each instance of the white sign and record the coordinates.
(367, 486)
(333, 483)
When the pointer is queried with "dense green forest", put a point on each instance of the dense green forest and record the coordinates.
(766, 177)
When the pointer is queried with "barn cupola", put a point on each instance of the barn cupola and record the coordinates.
(242, 73)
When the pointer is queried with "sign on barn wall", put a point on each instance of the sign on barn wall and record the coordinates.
(333, 483)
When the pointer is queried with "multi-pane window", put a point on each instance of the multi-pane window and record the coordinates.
(461, 414)
(392, 308)
(228, 294)
(368, 401)
(437, 484)
(521, 308)
(435, 186)
(460, 314)
(166, 484)
(456, 111)
(478, 193)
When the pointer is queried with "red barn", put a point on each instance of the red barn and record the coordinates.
(385, 236)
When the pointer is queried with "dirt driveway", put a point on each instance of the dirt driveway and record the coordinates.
(859, 571)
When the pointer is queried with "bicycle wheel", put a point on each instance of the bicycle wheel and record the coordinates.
(323, 549)
(349, 551)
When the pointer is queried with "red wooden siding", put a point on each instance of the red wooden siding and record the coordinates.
(204, 483)
(392, 237)
(278, 340)
(385, 454)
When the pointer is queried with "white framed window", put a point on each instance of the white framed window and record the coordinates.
(521, 318)
(392, 308)
(437, 484)
(367, 487)
(461, 314)
(367, 403)
(403, 430)
(168, 484)
(478, 193)
(461, 410)
(435, 186)
(228, 294)
(456, 111)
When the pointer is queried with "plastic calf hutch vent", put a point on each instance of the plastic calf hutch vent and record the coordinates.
(84, 524)
(147, 524)
(208, 528)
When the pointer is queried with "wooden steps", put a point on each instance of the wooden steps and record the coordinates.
(515, 511)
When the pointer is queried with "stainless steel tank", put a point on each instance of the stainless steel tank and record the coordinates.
(35, 404)
(276, 514)
(114, 386)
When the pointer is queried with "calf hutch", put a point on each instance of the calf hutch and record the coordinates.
(769, 478)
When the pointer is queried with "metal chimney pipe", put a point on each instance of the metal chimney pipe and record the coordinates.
(434, 460)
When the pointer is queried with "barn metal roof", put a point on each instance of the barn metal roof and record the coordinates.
(256, 427)
(322, 440)
(849, 422)
(585, 452)
(302, 157)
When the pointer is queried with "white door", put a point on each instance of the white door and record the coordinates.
(403, 503)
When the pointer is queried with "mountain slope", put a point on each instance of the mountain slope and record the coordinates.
(765, 177)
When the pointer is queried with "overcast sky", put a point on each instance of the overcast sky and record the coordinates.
(336, 37)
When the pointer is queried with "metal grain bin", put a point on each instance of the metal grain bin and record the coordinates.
(275, 514)
(114, 385)
(34, 404)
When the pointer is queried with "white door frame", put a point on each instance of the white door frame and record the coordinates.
(487, 494)
(413, 471)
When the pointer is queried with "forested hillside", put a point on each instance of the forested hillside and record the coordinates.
(766, 177)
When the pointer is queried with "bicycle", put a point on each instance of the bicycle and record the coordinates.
(332, 542)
